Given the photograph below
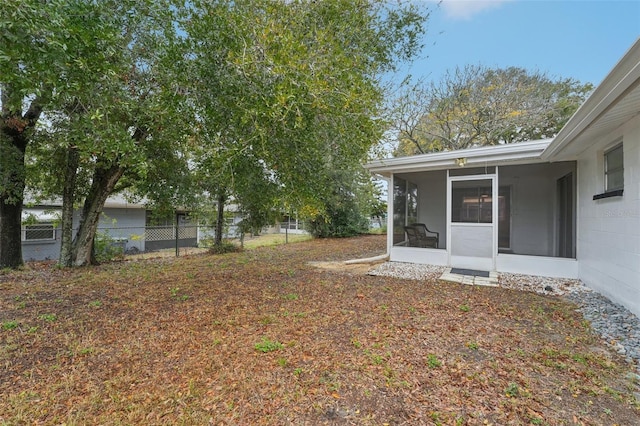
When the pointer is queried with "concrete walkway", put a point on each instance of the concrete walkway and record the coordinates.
(469, 278)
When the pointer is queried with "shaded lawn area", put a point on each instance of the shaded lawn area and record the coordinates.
(261, 337)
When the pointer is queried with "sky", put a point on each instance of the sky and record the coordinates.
(579, 39)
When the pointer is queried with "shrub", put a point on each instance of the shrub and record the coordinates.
(106, 248)
(343, 220)
(225, 246)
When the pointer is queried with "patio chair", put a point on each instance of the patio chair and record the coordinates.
(426, 240)
(412, 236)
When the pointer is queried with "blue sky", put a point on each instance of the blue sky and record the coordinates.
(581, 39)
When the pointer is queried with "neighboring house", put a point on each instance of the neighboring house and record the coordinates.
(563, 207)
(128, 224)
(290, 224)
(231, 228)
(41, 233)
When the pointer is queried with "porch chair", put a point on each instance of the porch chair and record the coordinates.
(412, 236)
(425, 239)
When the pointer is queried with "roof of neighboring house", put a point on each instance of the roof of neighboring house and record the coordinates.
(113, 202)
(614, 102)
(41, 215)
(50, 210)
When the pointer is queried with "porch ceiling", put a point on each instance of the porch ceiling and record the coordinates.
(511, 154)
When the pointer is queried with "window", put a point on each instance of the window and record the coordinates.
(399, 209)
(39, 232)
(405, 207)
(412, 203)
(471, 202)
(290, 222)
(613, 169)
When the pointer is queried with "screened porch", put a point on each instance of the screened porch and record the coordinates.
(533, 216)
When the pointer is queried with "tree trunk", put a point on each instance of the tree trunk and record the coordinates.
(10, 234)
(104, 180)
(220, 219)
(68, 198)
(14, 129)
(12, 176)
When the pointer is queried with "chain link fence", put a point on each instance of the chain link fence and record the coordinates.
(43, 241)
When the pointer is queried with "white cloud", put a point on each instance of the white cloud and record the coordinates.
(466, 9)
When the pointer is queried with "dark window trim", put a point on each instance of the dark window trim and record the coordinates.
(609, 194)
(608, 171)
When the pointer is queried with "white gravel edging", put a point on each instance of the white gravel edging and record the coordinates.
(410, 271)
(541, 285)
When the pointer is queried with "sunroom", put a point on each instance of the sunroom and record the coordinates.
(499, 208)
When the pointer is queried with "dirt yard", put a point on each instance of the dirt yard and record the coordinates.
(269, 337)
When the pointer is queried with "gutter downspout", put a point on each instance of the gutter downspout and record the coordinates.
(371, 260)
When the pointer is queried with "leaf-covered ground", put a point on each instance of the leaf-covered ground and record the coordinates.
(263, 337)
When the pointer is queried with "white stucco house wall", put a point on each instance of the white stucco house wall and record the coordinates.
(562, 207)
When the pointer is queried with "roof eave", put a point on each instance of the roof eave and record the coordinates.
(519, 153)
(620, 79)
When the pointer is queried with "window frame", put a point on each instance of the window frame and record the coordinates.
(42, 227)
(608, 171)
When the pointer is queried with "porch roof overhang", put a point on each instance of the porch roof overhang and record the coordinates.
(507, 154)
(614, 102)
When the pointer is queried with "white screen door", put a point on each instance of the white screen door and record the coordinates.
(472, 222)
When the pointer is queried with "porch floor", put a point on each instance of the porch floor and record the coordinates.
(467, 276)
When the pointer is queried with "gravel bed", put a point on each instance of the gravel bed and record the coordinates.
(410, 271)
(618, 327)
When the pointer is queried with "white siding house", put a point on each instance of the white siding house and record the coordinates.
(41, 235)
(608, 220)
(566, 207)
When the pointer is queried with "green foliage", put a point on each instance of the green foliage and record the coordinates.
(175, 293)
(288, 93)
(347, 209)
(340, 220)
(252, 99)
(433, 361)
(266, 345)
(106, 248)
(48, 317)
(225, 246)
(9, 325)
(479, 106)
(512, 390)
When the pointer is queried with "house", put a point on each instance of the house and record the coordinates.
(129, 224)
(562, 207)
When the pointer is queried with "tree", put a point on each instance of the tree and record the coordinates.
(119, 129)
(48, 51)
(287, 92)
(131, 88)
(347, 208)
(479, 106)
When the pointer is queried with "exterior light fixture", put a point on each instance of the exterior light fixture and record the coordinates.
(461, 161)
